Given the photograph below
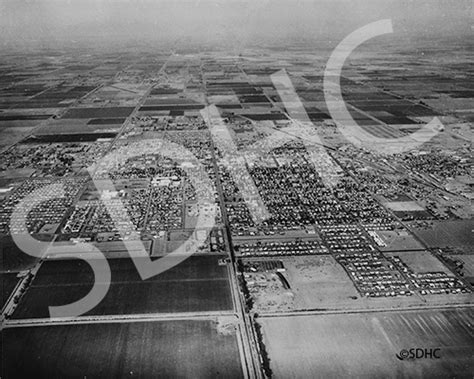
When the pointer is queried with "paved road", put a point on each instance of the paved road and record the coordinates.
(119, 318)
(364, 310)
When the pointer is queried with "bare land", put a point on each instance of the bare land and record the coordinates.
(421, 261)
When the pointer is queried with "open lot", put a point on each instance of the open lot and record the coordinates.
(197, 284)
(315, 282)
(165, 349)
(320, 283)
(365, 345)
(421, 261)
(404, 206)
(398, 240)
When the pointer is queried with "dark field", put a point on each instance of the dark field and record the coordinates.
(415, 215)
(166, 349)
(229, 106)
(253, 99)
(185, 107)
(448, 233)
(197, 284)
(24, 117)
(75, 137)
(106, 121)
(12, 258)
(9, 282)
(164, 91)
(267, 116)
(116, 112)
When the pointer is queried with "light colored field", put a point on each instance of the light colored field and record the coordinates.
(404, 206)
(398, 241)
(17, 173)
(421, 261)
(319, 282)
(73, 125)
(365, 345)
(468, 263)
(11, 135)
(316, 282)
(223, 99)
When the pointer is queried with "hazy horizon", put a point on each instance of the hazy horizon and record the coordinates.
(52, 23)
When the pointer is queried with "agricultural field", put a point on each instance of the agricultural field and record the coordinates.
(13, 131)
(80, 125)
(12, 258)
(198, 284)
(162, 349)
(468, 266)
(468, 261)
(365, 345)
(98, 112)
(447, 233)
(8, 281)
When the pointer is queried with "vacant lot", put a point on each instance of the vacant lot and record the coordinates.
(421, 261)
(197, 284)
(396, 240)
(315, 282)
(365, 345)
(165, 349)
(404, 206)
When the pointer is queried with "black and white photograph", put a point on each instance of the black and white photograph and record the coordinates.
(248, 189)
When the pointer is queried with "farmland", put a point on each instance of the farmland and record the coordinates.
(8, 282)
(447, 233)
(80, 125)
(12, 258)
(144, 349)
(197, 284)
(98, 112)
(365, 344)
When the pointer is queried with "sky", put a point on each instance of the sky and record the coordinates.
(51, 23)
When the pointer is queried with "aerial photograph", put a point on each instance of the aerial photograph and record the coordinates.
(244, 189)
